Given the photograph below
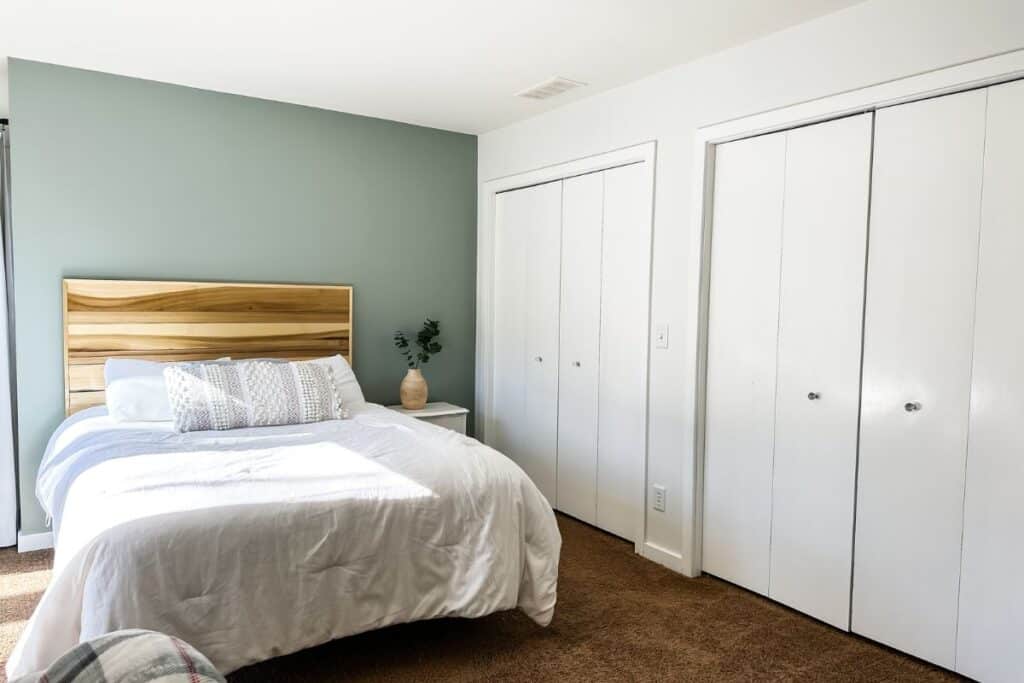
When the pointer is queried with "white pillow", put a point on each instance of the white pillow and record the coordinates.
(136, 390)
(348, 386)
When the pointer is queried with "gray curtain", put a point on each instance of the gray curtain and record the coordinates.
(8, 472)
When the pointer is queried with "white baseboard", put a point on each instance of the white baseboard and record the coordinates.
(666, 558)
(29, 542)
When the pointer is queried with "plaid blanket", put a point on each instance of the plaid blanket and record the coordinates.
(133, 656)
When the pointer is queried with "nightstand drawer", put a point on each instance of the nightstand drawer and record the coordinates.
(445, 415)
(454, 422)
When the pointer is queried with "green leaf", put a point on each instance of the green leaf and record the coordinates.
(425, 341)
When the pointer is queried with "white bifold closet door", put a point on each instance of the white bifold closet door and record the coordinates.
(602, 394)
(582, 221)
(991, 614)
(922, 267)
(624, 343)
(785, 311)
(526, 294)
(817, 398)
(742, 331)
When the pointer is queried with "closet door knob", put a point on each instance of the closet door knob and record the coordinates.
(576, 363)
(539, 359)
(813, 396)
(912, 406)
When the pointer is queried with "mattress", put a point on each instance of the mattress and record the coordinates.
(253, 543)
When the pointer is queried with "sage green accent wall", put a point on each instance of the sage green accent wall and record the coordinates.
(117, 177)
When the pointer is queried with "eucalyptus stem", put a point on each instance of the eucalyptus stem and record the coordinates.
(419, 351)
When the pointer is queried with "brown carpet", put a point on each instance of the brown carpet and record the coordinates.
(619, 617)
(23, 578)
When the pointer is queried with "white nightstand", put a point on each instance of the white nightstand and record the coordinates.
(442, 414)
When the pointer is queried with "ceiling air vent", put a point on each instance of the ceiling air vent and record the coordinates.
(550, 88)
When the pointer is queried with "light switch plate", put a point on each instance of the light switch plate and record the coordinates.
(661, 336)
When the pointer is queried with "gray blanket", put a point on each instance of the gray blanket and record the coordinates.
(129, 656)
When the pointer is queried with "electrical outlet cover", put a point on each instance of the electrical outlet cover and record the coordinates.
(661, 336)
(659, 498)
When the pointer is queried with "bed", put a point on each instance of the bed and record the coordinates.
(253, 543)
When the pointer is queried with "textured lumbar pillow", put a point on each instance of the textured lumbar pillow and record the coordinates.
(250, 393)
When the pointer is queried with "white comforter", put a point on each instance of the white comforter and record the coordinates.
(253, 543)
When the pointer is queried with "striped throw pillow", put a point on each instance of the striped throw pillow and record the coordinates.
(250, 393)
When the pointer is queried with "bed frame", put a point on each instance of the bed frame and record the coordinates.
(176, 321)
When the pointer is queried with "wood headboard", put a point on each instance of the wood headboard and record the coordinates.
(173, 321)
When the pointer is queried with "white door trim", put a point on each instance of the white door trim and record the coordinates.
(39, 541)
(974, 74)
(643, 152)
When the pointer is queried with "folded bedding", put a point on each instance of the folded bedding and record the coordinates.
(256, 542)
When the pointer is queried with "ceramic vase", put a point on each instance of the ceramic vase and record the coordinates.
(413, 390)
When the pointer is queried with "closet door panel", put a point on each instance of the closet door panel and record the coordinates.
(922, 265)
(824, 243)
(580, 323)
(543, 257)
(508, 383)
(991, 590)
(525, 393)
(625, 321)
(742, 333)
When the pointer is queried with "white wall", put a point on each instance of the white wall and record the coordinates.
(5, 105)
(870, 43)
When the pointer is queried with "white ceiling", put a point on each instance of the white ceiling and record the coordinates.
(452, 64)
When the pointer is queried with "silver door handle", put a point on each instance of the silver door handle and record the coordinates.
(912, 406)
(813, 396)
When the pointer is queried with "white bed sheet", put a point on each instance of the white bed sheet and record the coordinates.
(253, 543)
